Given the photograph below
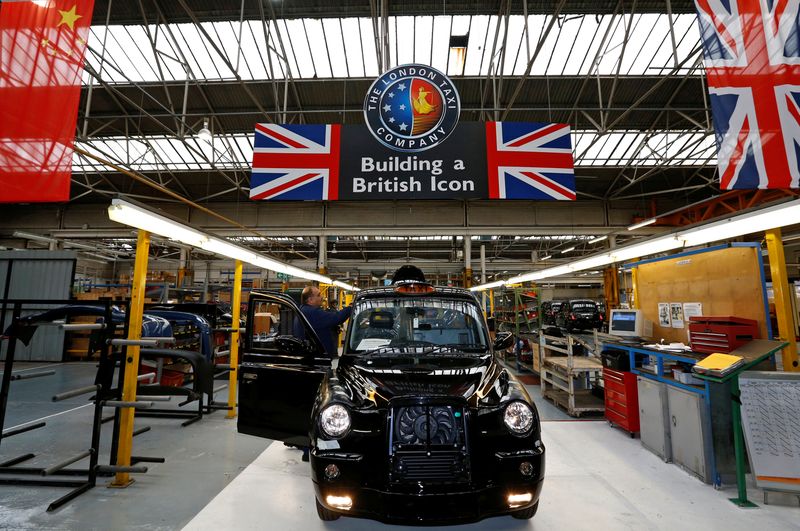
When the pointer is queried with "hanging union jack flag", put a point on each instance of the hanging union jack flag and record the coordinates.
(295, 162)
(752, 57)
(529, 161)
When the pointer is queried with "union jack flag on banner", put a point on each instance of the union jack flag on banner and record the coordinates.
(529, 160)
(295, 162)
(752, 57)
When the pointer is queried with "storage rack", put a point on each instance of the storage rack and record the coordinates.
(561, 374)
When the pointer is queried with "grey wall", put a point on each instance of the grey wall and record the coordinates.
(36, 275)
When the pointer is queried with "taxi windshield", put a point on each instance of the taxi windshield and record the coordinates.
(429, 324)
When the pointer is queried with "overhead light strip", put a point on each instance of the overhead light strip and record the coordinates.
(141, 218)
(776, 216)
(488, 285)
(642, 224)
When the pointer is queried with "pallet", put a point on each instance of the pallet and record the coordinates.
(585, 402)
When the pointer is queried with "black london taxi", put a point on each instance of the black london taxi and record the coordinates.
(415, 421)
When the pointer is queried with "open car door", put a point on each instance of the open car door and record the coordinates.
(282, 365)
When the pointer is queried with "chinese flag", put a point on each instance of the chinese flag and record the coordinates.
(42, 44)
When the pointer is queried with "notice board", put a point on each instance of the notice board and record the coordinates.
(726, 280)
(771, 423)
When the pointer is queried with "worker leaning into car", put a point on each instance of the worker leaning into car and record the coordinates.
(324, 323)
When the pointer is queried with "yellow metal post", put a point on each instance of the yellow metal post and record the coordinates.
(125, 441)
(634, 281)
(234, 357)
(491, 303)
(781, 293)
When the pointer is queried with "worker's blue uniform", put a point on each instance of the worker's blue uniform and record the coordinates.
(324, 323)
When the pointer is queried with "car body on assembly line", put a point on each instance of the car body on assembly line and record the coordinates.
(415, 422)
(580, 314)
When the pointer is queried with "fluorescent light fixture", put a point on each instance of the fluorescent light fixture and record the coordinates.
(488, 285)
(548, 257)
(780, 215)
(642, 224)
(345, 286)
(598, 239)
(136, 216)
(568, 249)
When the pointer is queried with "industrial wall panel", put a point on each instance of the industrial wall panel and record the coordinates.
(38, 275)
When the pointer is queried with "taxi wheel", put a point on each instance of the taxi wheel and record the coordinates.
(324, 513)
(526, 514)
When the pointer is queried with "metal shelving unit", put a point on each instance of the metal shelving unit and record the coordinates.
(567, 378)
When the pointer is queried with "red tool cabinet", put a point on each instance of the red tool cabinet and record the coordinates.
(622, 399)
(720, 333)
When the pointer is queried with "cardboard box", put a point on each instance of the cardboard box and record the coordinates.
(79, 344)
(262, 323)
(688, 378)
(535, 356)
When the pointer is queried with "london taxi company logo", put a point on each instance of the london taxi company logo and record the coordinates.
(412, 108)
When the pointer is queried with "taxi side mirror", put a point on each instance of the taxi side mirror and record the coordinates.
(503, 340)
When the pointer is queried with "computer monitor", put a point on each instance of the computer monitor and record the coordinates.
(629, 323)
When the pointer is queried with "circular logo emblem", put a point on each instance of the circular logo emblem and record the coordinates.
(412, 108)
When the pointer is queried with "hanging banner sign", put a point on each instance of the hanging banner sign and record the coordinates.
(42, 46)
(412, 147)
(751, 51)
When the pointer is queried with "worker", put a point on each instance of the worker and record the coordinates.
(323, 322)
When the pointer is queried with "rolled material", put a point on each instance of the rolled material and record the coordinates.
(133, 342)
(63, 464)
(22, 429)
(29, 375)
(77, 327)
(146, 398)
(76, 392)
(143, 429)
(149, 376)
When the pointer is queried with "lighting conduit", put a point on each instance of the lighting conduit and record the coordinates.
(770, 217)
(133, 215)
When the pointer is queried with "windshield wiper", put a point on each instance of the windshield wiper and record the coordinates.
(426, 347)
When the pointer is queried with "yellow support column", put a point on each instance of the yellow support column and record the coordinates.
(634, 281)
(125, 441)
(783, 306)
(234, 357)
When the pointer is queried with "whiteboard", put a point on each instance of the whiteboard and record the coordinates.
(771, 423)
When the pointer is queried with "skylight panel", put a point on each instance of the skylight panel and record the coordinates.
(514, 47)
(370, 56)
(441, 42)
(352, 45)
(316, 41)
(476, 45)
(423, 31)
(402, 49)
(333, 38)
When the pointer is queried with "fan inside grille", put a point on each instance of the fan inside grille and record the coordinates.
(426, 424)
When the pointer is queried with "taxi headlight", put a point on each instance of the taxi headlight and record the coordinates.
(518, 418)
(335, 420)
